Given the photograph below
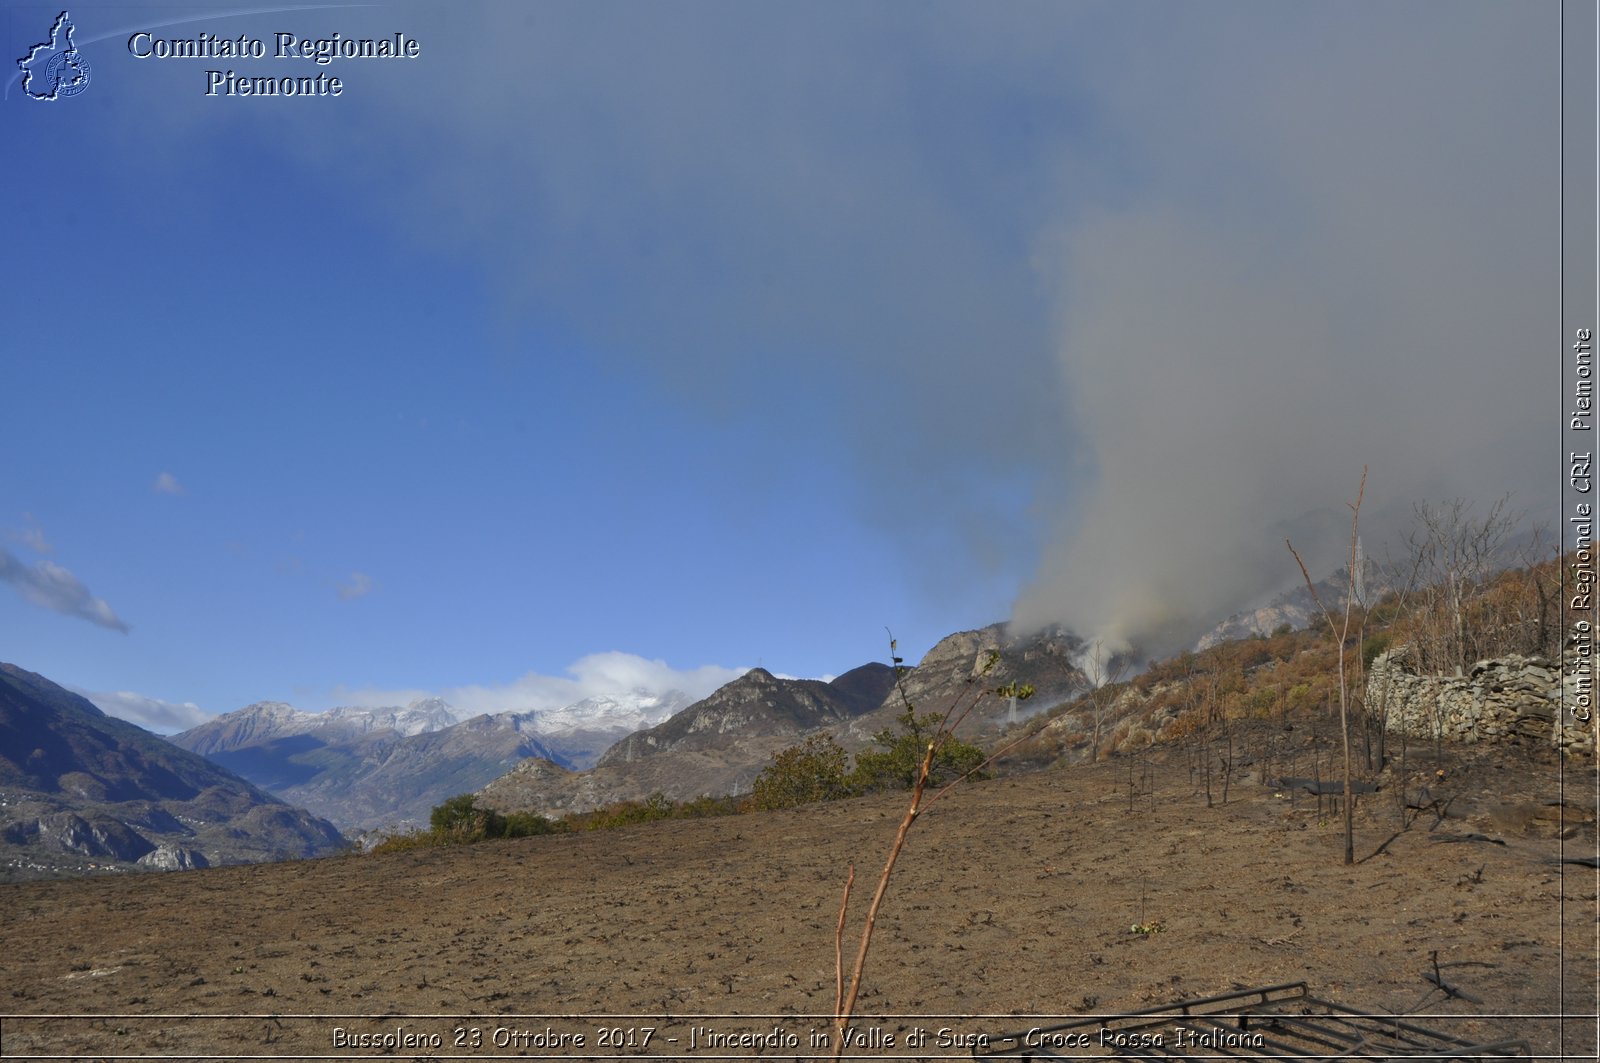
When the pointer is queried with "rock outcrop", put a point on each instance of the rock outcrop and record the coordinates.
(174, 858)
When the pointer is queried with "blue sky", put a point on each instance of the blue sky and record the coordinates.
(621, 343)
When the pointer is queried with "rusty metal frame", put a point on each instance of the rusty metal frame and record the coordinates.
(1271, 1022)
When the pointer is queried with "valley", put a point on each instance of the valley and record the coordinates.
(1014, 899)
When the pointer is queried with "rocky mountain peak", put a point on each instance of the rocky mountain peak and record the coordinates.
(271, 710)
(965, 645)
(758, 705)
(258, 721)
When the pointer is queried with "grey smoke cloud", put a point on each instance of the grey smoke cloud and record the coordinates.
(1347, 260)
(1168, 274)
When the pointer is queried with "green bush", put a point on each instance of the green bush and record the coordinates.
(528, 824)
(400, 843)
(1375, 645)
(459, 819)
(814, 770)
(896, 764)
(652, 809)
(657, 806)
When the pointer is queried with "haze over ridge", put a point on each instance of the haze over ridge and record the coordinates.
(721, 337)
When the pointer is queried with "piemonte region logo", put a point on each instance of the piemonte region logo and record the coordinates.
(55, 69)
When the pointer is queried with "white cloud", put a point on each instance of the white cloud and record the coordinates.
(359, 585)
(48, 584)
(167, 484)
(163, 717)
(32, 536)
(612, 672)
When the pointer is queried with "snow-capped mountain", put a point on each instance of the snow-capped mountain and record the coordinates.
(629, 712)
(265, 721)
(420, 717)
(259, 722)
(366, 767)
(580, 732)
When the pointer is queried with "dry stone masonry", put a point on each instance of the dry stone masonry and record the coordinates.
(1503, 699)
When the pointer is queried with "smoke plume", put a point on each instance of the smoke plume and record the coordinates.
(1341, 261)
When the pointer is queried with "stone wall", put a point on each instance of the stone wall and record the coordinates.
(1504, 699)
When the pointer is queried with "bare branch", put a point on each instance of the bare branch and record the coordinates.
(1340, 635)
(842, 1015)
(845, 999)
(838, 945)
(986, 762)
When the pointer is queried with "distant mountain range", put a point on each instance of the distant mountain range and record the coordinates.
(80, 790)
(582, 731)
(367, 768)
(720, 744)
(716, 746)
(266, 721)
(76, 785)
(373, 769)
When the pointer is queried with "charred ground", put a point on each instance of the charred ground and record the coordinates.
(1016, 897)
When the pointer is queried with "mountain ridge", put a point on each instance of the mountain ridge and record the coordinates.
(759, 703)
(81, 788)
(719, 745)
(387, 767)
(716, 746)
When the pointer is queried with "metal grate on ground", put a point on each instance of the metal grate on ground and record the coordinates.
(1272, 1022)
